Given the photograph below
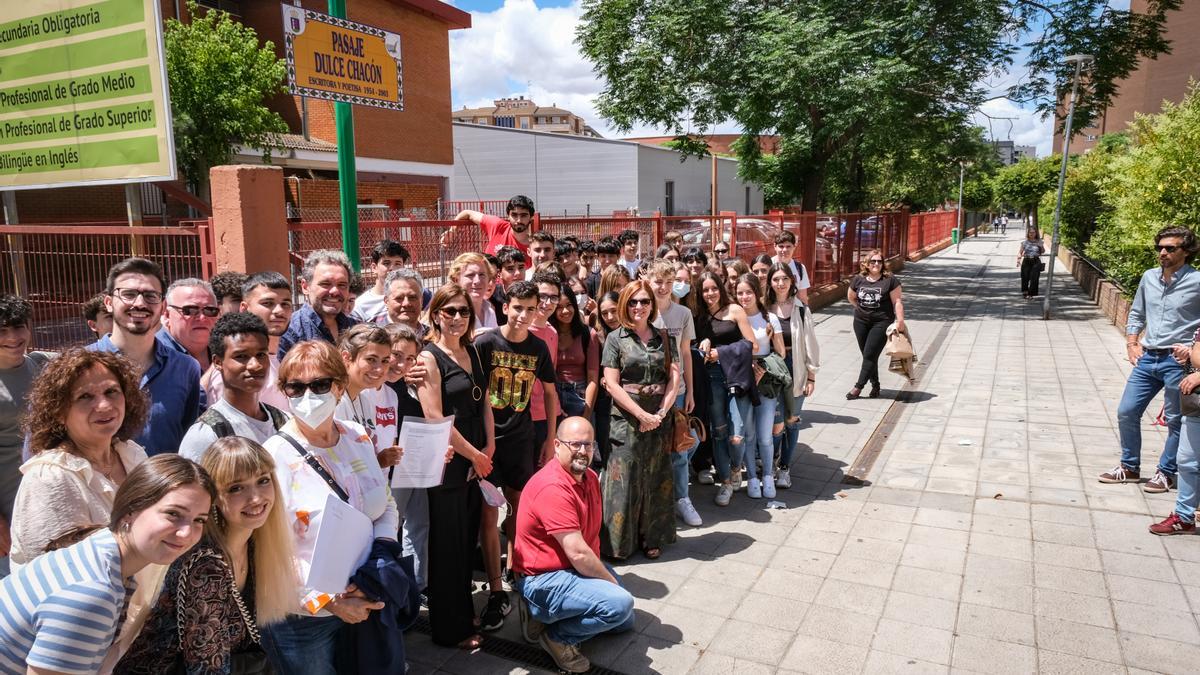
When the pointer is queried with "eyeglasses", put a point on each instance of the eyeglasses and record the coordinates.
(130, 296)
(451, 312)
(546, 299)
(640, 302)
(319, 386)
(876, 261)
(721, 251)
(1166, 249)
(578, 446)
(193, 310)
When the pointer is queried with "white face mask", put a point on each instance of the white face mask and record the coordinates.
(680, 289)
(313, 409)
(581, 300)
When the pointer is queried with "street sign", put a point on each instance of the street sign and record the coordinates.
(83, 94)
(340, 60)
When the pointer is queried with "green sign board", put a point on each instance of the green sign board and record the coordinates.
(83, 94)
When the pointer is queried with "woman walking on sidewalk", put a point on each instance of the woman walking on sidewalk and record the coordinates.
(1030, 262)
(875, 294)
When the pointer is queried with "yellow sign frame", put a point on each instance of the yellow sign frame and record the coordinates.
(340, 60)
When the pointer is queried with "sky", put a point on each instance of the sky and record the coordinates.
(526, 47)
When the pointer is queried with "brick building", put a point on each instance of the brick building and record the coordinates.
(404, 158)
(521, 113)
(1162, 79)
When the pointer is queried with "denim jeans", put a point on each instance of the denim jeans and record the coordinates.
(575, 608)
(793, 405)
(1153, 372)
(760, 442)
(413, 505)
(1188, 478)
(718, 424)
(680, 460)
(303, 645)
(570, 398)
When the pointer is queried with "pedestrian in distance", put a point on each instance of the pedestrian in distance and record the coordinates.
(1030, 262)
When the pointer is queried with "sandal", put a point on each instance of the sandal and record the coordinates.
(472, 642)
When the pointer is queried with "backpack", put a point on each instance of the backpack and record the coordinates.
(213, 419)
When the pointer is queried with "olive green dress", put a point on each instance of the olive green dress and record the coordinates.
(637, 485)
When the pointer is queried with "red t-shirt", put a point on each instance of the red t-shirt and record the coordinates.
(500, 233)
(553, 502)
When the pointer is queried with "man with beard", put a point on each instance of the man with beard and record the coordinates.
(566, 593)
(134, 295)
(325, 283)
(501, 232)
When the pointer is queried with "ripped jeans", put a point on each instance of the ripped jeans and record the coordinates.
(723, 410)
(790, 435)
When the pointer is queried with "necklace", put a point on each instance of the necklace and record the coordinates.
(476, 391)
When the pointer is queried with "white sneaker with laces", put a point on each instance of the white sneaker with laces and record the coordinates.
(754, 489)
(705, 477)
(768, 486)
(783, 478)
(687, 512)
(724, 493)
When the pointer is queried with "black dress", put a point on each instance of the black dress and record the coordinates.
(454, 506)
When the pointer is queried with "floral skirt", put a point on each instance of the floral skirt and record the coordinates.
(637, 486)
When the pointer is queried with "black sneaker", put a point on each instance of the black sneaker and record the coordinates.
(497, 608)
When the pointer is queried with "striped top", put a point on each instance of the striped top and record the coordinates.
(60, 612)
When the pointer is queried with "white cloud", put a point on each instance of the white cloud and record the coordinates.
(1024, 127)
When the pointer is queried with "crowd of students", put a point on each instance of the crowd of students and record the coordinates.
(160, 488)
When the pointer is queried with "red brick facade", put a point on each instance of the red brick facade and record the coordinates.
(323, 194)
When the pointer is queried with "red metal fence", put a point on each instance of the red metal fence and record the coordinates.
(926, 230)
(59, 267)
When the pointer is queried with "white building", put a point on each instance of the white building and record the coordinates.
(578, 174)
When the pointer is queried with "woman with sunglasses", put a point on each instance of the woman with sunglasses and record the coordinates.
(1030, 261)
(317, 456)
(604, 322)
(875, 294)
(641, 372)
(455, 384)
(802, 359)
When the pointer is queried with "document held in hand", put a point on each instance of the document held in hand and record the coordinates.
(344, 538)
(424, 442)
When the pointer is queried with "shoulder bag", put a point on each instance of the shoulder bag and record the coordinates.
(681, 436)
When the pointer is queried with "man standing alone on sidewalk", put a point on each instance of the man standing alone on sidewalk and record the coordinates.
(1165, 313)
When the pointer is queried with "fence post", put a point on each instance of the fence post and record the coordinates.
(16, 246)
(208, 259)
(659, 228)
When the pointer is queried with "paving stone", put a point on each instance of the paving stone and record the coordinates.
(1162, 623)
(1070, 580)
(802, 561)
(933, 558)
(772, 610)
(1001, 507)
(787, 584)
(839, 625)
(816, 540)
(649, 655)
(1058, 663)
(859, 570)
(879, 550)
(753, 642)
(998, 570)
(1002, 547)
(1058, 604)
(951, 520)
(1143, 567)
(1077, 557)
(855, 597)
(991, 656)
(1078, 639)
(879, 663)
(1159, 655)
(909, 639)
(817, 656)
(707, 596)
(729, 572)
(928, 583)
(1159, 594)
(921, 610)
(685, 624)
(939, 537)
(996, 624)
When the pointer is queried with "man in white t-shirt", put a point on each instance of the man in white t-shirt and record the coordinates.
(677, 321)
(238, 345)
(387, 255)
(785, 250)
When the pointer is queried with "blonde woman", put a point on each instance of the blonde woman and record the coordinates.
(240, 576)
(474, 274)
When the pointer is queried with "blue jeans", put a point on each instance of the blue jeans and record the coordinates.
(681, 460)
(1188, 478)
(575, 608)
(760, 442)
(1153, 372)
(302, 644)
(413, 505)
(788, 405)
(570, 398)
(722, 408)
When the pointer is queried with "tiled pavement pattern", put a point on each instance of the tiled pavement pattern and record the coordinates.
(982, 543)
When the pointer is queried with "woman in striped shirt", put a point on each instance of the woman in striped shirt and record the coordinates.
(61, 612)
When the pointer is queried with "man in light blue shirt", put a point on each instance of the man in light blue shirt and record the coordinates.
(1165, 313)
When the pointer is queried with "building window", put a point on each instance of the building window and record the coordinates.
(669, 199)
(524, 122)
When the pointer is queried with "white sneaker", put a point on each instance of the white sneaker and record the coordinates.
(687, 512)
(754, 489)
(768, 486)
(783, 478)
(705, 477)
(735, 478)
(724, 493)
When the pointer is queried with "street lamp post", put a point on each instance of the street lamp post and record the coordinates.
(961, 168)
(1079, 60)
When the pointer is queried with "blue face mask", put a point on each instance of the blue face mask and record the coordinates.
(680, 289)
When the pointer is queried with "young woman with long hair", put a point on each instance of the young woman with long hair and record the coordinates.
(240, 577)
(604, 322)
(578, 360)
(802, 358)
(758, 427)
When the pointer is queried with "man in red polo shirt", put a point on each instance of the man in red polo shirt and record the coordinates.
(501, 232)
(567, 594)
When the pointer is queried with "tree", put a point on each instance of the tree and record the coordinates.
(827, 75)
(1023, 184)
(1083, 204)
(219, 77)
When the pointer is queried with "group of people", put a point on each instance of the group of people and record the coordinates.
(161, 489)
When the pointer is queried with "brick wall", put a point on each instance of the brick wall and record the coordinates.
(324, 193)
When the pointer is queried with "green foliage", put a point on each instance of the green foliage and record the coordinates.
(1083, 205)
(859, 92)
(219, 77)
(1022, 185)
(1156, 183)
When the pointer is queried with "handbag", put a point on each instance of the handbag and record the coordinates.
(1189, 404)
(681, 436)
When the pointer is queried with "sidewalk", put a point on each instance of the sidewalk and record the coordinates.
(982, 540)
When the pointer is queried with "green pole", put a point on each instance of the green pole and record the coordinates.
(347, 173)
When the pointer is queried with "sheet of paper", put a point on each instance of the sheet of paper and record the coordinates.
(424, 461)
(344, 537)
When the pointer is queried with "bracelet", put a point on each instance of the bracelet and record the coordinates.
(811, 380)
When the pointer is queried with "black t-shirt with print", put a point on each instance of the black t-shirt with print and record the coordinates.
(511, 369)
(875, 298)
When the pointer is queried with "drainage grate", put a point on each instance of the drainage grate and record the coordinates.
(520, 652)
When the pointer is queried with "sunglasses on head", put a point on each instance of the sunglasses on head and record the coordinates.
(319, 386)
(193, 310)
(451, 312)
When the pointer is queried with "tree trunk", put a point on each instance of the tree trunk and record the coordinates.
(814, 181)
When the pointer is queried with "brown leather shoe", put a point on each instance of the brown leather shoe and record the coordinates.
(1121, 474)
(567, 657)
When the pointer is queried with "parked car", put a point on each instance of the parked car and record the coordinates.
(754, 235)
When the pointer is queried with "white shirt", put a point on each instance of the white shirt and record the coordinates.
(368, 307)
(632, 266)
(200, 435)
(799, 272)
(375, 410)
(678, 323)
(762, 337)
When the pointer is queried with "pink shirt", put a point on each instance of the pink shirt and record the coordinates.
(573, 365)
(537, 404)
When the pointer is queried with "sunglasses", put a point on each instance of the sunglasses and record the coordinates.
(1166, 249)
(875, 261)
(640, 302)
(319, 386)
(130, 295)
(193, 310)
(451, 312)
